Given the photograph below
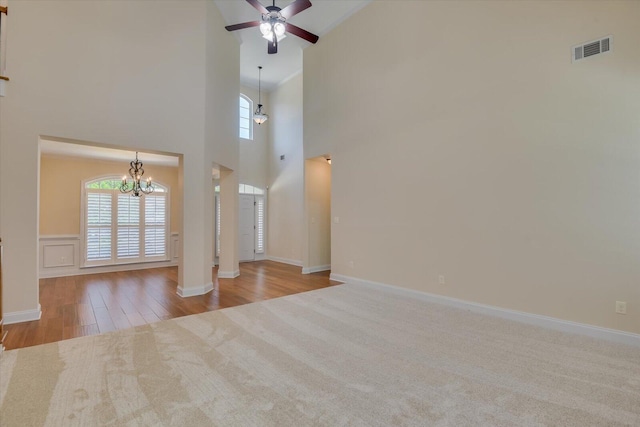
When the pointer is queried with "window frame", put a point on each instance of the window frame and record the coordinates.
(250, 129)
(114, 260)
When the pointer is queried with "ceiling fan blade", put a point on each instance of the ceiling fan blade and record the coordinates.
(243, 25)
(272, 47)
(295, 8)
(303, 34)
(258, 5)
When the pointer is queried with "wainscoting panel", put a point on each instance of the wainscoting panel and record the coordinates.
(60, 256)
(175, 246)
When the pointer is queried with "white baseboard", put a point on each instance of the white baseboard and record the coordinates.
(22, 316)
(228, 274)
(285, 261)
(316, 269)
(195, 291)
(561, 325)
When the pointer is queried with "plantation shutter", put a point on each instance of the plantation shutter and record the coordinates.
(98, 227)
(155, 239)
(128, 230)
(217, 225)
(122, 229)
(259, 221)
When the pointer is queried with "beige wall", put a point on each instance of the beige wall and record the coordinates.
(229, 239)
(254, 165)
(317, 219)
(152, 76)
(61, 190)
(466, 143)
(285, 202)
(221, 136)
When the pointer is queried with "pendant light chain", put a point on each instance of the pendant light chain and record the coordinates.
(260, 116)
(259, 85)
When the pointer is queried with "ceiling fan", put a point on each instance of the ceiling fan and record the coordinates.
(274, 25)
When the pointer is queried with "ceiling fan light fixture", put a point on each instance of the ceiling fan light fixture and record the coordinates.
(273, 24)
(269, 37)
(265, 28)
(279, 28)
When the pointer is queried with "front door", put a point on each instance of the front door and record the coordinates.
(246, 227)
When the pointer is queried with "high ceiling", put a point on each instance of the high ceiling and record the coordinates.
(318, 19)
(323, 16)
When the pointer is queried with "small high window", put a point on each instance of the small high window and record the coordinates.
(246, 124)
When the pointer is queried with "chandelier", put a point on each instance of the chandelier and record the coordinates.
(136, 189)
(260, 116)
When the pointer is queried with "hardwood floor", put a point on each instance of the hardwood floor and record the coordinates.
(76, 306)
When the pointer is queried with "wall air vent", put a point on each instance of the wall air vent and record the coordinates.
(592, 48)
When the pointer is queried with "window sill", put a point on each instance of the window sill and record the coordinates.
(159, 260)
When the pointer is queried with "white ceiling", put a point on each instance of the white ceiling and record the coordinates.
(319, 19)
(68, 149)
(65, 149)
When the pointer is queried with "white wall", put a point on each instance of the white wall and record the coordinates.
(132, 74)
(286, 177)
(466, 144)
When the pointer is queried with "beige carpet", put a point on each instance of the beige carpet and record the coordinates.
(341, 356)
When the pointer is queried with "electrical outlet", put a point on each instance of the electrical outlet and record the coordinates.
(351, 264)
(621, 307)
(441, 279)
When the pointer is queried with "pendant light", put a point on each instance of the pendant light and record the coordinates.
(260, 116)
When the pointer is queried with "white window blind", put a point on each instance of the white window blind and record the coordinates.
(120, 228)
(217, 225)
(155, 239)
(128, 243)
(98, 228)
(259, 221)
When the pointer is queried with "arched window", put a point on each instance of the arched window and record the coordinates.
(246, 124)
(121, 229)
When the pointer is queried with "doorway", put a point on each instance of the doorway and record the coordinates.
(251, 223)
(247, 227)
(317, 239)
